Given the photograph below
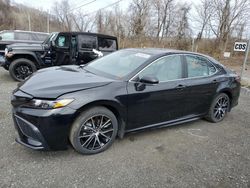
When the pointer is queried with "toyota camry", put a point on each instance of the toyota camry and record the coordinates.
(130, 90)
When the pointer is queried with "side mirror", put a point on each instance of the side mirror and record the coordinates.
(149, 80)
(1, 37)
(52, 43)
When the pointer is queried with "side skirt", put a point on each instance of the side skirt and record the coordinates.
(167, 123)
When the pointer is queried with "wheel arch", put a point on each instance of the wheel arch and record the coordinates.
(115, 107)
(228, 92)
(29, 56)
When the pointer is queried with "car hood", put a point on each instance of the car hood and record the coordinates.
(25, 46)
(53, 82)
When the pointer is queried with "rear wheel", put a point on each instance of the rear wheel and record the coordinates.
(219, 108)
(94, 131)
(20, 69)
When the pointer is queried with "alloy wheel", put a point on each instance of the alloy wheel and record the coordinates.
(221, 108)
(22, 71)
(96, 132)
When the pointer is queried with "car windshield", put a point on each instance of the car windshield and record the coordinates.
(49, 38)
(118, 64)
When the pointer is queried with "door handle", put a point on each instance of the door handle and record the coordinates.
(215, 81)
(180, 87)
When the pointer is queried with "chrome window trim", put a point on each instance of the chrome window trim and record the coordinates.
(131, 79)
(207, 61)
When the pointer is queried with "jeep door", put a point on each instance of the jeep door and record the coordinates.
(61, 50)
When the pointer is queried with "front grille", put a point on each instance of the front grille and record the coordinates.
(27, 128)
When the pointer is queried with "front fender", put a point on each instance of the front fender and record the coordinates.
(112, 96)
(23, 54)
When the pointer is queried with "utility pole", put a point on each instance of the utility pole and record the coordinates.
(192, 43)
(29, 21)
(245, 60)
(48, 16)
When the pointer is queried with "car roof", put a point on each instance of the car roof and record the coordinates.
(164, 51)
(88, 33)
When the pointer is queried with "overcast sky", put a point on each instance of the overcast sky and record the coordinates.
(92, 6)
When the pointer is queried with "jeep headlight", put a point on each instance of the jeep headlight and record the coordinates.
(6, 51)
(48, 104)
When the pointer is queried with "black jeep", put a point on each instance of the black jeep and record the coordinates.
(63, 48)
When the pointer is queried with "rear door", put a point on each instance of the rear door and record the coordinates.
(201, 83)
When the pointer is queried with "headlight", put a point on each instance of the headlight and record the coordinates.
(6, 51)
(47, 104)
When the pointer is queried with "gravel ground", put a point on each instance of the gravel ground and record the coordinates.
(197, 154)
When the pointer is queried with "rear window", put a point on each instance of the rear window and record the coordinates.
(38, 36)
(87, 42)
(29, 36)
(106, 44)
(22, 36)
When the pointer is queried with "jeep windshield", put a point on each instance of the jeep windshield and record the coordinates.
(118, 64)
(49, 38)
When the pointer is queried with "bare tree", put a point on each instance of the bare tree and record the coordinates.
(139, 16)
(5, 16)
(81, 21)
(228, 14)
(164, 12)
(182, 28)
(204, 11)
(62, 11)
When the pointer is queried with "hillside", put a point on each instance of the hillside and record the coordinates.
(20, 17)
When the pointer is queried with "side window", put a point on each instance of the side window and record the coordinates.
(41, 37)
(62, 41)
(87, 42)
(22, 36)
(198, 66)
(165, 69)
(7, 36)
(107, 44)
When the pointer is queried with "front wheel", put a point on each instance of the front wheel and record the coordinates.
(219, 108)
(94, 131)
(20, 69)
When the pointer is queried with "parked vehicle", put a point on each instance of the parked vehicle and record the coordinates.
(127, 91)
(8, 37)
(63, 48)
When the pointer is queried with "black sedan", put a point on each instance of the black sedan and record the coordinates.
(126, 91)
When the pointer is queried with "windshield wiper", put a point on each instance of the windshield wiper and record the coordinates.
(82, 66)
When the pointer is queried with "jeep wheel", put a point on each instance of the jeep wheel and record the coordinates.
(20, 69)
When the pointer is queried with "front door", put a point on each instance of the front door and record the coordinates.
(60, 53)
(151, 104)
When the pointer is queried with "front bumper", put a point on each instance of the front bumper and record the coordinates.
(43, 129)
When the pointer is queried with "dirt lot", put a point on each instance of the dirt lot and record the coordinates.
(197, 154)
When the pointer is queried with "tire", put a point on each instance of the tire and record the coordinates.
(97, 123)
(219, 108)
(20, 69)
